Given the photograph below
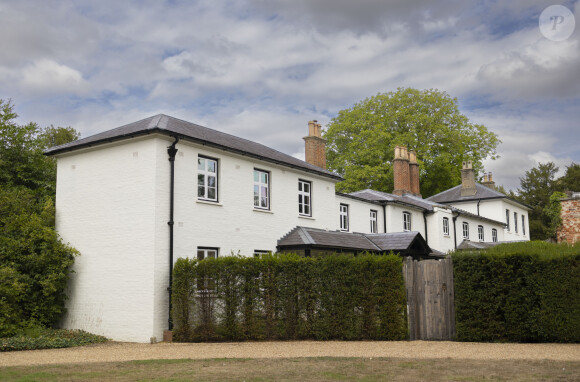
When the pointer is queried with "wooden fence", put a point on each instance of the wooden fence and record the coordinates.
(430, 304)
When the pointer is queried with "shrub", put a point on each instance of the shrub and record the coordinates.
(518, 292)
(34, 338)
(289, 297)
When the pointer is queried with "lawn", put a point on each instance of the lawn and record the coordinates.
(302, 369)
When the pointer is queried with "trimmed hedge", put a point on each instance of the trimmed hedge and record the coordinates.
(284, 297)
(518, 292)
(40, 338)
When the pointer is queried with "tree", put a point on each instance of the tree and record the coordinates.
(552, 212)
(361, 140)
(34, 263)
(571, 180)
(22, 162)
(535, 189)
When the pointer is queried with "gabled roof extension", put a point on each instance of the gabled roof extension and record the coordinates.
(453, 195)
(407, 199)
(166, 125)
(409, 243)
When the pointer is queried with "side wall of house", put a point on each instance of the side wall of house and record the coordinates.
(359, 214)
(108, 208)
(233, 224)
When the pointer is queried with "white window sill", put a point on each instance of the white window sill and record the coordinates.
(209, 202)
(306, 217)
(446, 235)
(262, 211)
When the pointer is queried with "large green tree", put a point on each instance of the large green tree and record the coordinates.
(34, 263)
(361, 140)
(571, 179)
(536, 186)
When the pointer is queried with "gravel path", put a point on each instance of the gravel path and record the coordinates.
(118, 351)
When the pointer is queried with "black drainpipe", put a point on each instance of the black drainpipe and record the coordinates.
(171, 151)
(385, 217)
(478, 201)
(455, 230)
(425, 222)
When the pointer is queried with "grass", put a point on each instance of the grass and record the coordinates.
(302, 369)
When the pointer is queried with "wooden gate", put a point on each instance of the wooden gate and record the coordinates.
(430, 304)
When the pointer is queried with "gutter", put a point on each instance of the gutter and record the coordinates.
(425, 223)
(171, 151)
(385, 217)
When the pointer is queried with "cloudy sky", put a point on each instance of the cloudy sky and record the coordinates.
(260, 69)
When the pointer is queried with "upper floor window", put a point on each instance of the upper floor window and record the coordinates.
(507, 219)
(466, 230)
(406, 221)
(304, 198)
(516, 222)
(523, 224)
(207, 179)
(261, 189)
(446, 226)
(480, 235)
(494, 235)
(344, 217)
(373, 221)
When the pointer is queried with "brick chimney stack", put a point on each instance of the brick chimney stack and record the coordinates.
(488, 181)
(401, 171)
(414, 174)
(468, 180)
(315, 145)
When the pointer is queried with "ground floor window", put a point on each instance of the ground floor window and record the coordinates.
(406, 221)
(446, 226)
(344, 217)
(480, 235)
(494, 235)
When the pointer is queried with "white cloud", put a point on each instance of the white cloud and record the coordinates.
(48, 77)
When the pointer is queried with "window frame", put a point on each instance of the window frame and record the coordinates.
(465, 229)
(494, 235)
(507, 218)
(206, 284)
(206, 174)
(515, 222)
(407, 221)
(480, 233)
(446, 226)
(343, 214)
(374, 221)
(302, 195)
(523, 224)
(260, 186)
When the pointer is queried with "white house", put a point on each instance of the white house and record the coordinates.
(135, 198)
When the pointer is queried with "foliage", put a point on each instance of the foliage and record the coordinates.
(289, 297)
(571, 180)
(34, 263)
(361, 140)
(518, 292)
(535, 189)
(552, 211)
(41, 338)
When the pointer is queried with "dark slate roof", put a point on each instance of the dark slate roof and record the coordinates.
(314, 237)
(461, 212)
(466, 244)
(188, 131)
(453, 195)
(407, 199)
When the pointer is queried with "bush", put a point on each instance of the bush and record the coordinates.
(518, 292)
(283, 297)
(35, 338)
(34, 263)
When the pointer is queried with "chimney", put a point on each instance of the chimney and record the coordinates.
(488, 181)
(468, 180)
(414, 174)
(401, 171)
(315, 145)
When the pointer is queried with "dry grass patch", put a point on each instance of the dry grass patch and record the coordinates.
(302, 369)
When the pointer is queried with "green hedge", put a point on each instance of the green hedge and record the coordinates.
(519, 292)
(41, 338)
(283, 297)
